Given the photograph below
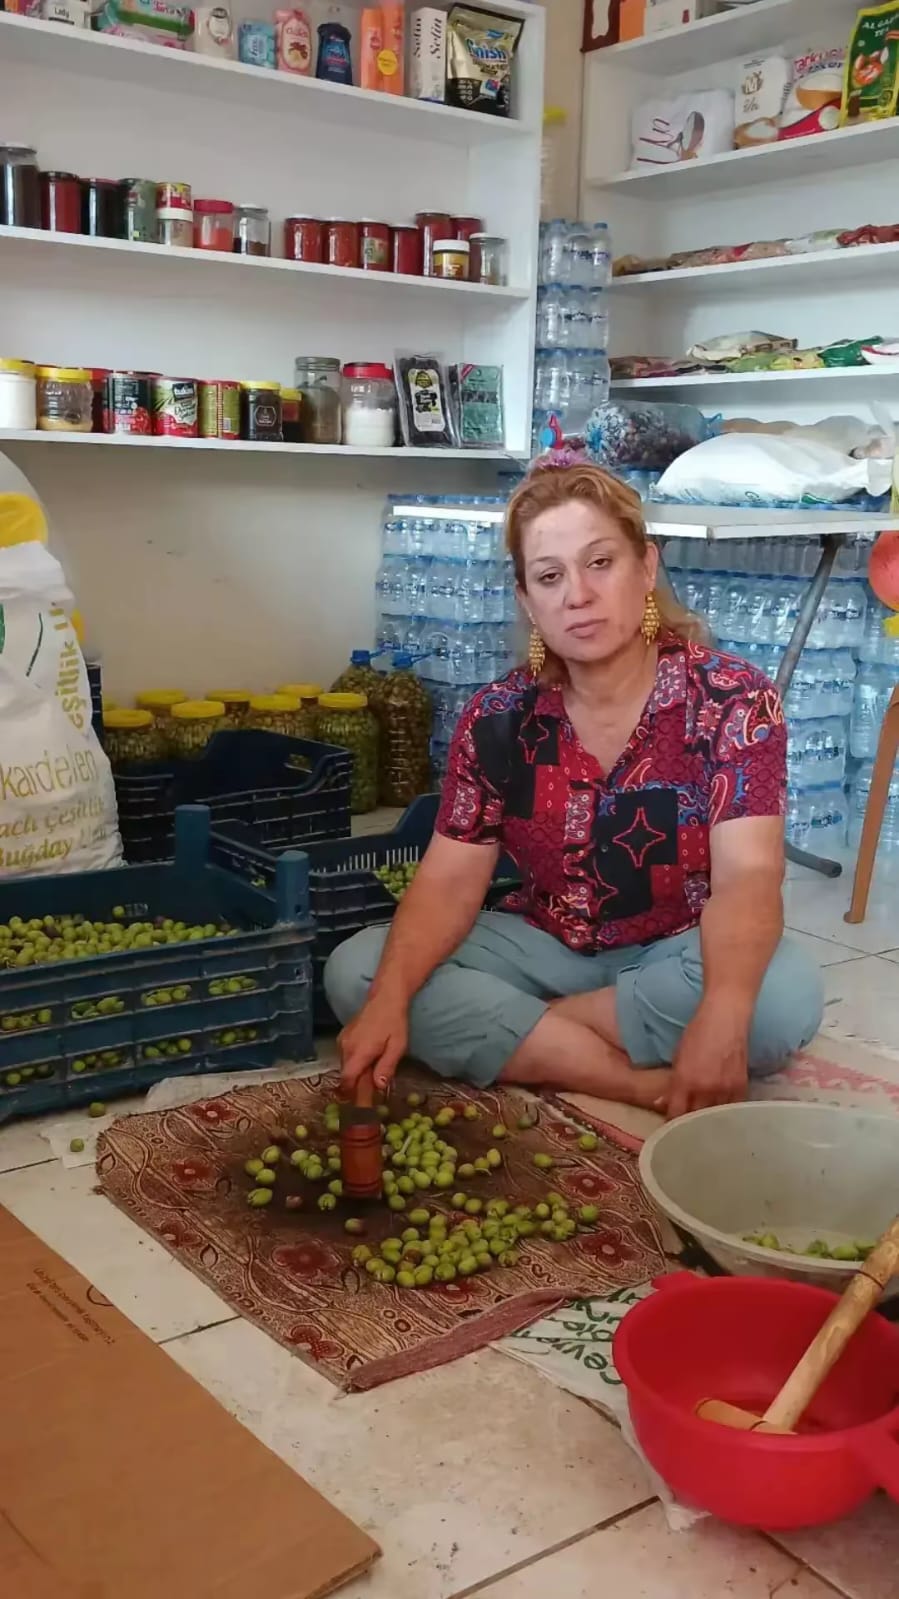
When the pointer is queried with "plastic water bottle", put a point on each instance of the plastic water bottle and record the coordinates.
(817, 750)
(876, 645)
(816, 817)
(595, 323)
(550, 333)
(553, 250)
(889, 832)
(588, 255)
(873, 689)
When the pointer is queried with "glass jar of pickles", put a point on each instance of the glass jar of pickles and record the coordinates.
(345, 720)
(236, 702)
(273, 713)
(306, 718)
(131, 737)
(159, 702)
(191, 726)
(405, 735)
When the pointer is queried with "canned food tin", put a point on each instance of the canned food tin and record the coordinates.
(175, 407)
(374, 253)
(129, 402)
(140, 210)
(342, 243)
(304, 239)
(219, 410)
(99, 374)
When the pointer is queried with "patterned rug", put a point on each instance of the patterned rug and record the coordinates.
(179, 1173)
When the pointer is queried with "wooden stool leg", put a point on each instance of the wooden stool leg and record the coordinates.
(885, 761)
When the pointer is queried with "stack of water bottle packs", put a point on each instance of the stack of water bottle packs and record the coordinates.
(571, 376)
(750, 592)
(446, 594)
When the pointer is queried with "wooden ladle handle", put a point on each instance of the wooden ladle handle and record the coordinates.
(860, 1295)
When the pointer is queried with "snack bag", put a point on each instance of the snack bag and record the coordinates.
(813, 98)
(871, 78)
(480, 49)
(57, 798)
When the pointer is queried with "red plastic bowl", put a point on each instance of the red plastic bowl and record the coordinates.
(737, 1339)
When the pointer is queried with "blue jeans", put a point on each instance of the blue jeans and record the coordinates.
(476, 1009)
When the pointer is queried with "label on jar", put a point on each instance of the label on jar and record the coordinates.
(263, 419)
(128, 403)
(374, 252)
(175, 407)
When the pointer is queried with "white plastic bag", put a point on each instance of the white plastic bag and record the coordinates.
(794, 469)
(57, 798)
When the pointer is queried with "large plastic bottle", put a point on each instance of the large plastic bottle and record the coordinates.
(405, 710)
(360, 677)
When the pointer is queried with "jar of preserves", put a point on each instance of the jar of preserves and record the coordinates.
(131, 737)
(432, 225)
(374, 246)
(20, 189)
(252, 230)
(406, 249)
(368, 399)
(273, 713)
(465, 227)
(450, 258)
(405, 735)
(306, 718)
(213, 225)
(345, 720)
(102, 208)
(236, 702)
(304, 239)
(18, 395)
(191, 725)
(317, 377)
(342, 243)
(60, 202)
(260, 411)
(159, 702)
(487, 262)
(65, 397)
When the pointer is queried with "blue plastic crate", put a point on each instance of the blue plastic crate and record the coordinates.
(345, 895)
(291, 791)
(103, 1026)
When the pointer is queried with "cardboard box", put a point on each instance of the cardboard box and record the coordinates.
(427, 54)
(122, 1478)
(664, 14)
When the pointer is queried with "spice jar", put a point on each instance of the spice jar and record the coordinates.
(213, 225)
(102, 208)
(317, 378)
(374, 247)
(450, 258)
(304, 239)
(431, 225)
(191, 726)
(252, 230)
(290, 416)
(464, 227)
(159, 702)
(342, 244)
(175, 215)
(406, 715)
(18, 395)
(306, 717)
(20, 191)
(260, 411)
(368, 398)
(345, 720)
(131, 737)
(60, 202)
(487, 262)
(274, 713)
(64, 399)
(236, 702)
(406, 249)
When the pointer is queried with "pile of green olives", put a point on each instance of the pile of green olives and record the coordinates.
(46, 939)
(817, 1249)
(396, 879)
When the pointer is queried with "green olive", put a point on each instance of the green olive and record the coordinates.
(459, 1200)
(354, 1225)
(420, 1217)
(258, 1197)
(588, 1142)
(471, 1113)
(473, 1206)
(336, 1188)
(300, 1133)
(466, 1171)
(271, 1155)
(265, 1177)
(76, 1145)
(253, 1167)
(493, 1159)
(543, 1162)
(405, 1278)
(588, 1213)
(361, 1254)
(326, 1202)
(396, 1202)
(96, 1108)
(500, 1131)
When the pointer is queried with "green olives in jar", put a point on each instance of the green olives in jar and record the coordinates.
(345, 720)
(159, 702)
(274, 713)
(306, 718)
(236, 702)
(405, 735)
(131, 737)
(360, 677)
(191, 726)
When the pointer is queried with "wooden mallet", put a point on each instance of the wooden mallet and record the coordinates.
(859, 1296)
(361, 1163)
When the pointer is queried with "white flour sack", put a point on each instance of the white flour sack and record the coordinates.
(57, 798)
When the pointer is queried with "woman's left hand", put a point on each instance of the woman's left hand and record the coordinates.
(712, 1064)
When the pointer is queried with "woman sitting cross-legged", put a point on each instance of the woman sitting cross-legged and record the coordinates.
(636, 776)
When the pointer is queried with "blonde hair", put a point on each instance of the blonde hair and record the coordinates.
(546, 488)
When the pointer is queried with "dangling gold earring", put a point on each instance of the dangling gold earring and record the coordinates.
(536, 653)
(652, 620)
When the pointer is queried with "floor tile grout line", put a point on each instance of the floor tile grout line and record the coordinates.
(802, 1568)
(552, 1549)
(191, 1332)
(28, 1165)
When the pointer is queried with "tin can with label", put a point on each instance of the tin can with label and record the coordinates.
(140, 210)
(219, 410)
(175, 407)
(128, 403)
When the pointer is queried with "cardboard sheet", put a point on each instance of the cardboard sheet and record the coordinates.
(122, 1478)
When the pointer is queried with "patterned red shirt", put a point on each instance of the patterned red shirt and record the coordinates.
(621, 858)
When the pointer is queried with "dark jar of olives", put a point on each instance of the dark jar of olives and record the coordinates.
(345, 720)
(405, 707)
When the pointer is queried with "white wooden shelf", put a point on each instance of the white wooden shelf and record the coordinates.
(862, 145)
(54, 45)
(709, 381)
(835, 268)
(74, 246)
(247, 446)
(738, 522)
(729, 34)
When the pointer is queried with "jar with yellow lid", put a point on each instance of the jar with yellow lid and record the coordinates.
(159, 702)
(191, 726)
(18, 395)
(275, 713)
(345, 720)
(65, 397)
(131, 737)
(236, 702)
(306, 719)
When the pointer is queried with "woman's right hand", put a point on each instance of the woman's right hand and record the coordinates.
(378, 1037)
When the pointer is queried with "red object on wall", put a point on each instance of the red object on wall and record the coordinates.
(883, 569)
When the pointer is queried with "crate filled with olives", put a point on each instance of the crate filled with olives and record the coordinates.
(110, 981)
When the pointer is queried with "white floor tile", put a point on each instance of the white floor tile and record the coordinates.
(158, 1294)
(860, 1556)
(459, 1473)
(815, 904)
(641, 1559)
(22, 1142)
(824, 951)
(862, 1001)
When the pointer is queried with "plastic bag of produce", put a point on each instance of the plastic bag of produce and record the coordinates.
(792, 469)
(57, 799)
(646, 438)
